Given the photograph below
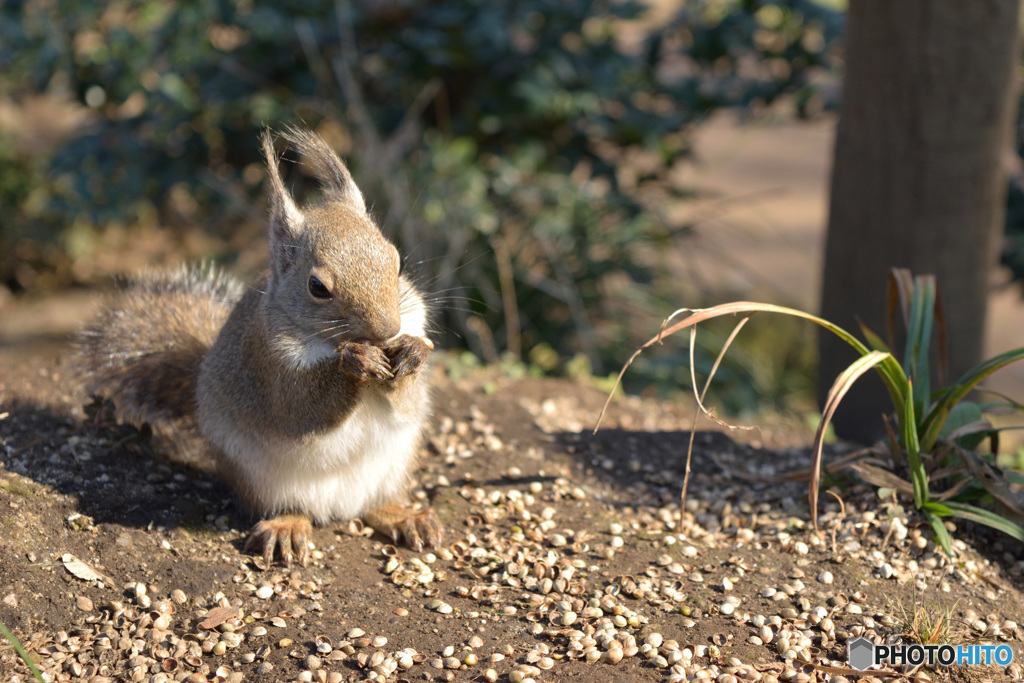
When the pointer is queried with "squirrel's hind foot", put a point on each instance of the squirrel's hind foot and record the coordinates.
(284, 534)
(405, 524)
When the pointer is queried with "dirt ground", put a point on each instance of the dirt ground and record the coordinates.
(564, 557)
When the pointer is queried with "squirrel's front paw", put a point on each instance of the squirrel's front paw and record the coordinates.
(407, 354)
(283, 534)
(405, 524)
(364, 362)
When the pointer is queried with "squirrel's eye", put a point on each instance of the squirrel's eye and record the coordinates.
(317, 289)
(401, 265)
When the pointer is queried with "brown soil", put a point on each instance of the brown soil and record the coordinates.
(530, 500)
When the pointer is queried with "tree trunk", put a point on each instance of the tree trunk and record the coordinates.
(918, 178)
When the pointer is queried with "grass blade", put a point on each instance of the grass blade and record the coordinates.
(835, 395)
(873, 340)
(901, 284)
(986, 517)
(931, 426)
(711, 375)
(889, 369)
(21, 652)
(700, 400)
(934, 518)
(963, 415)
(919, 332)
(718, 360)
(908, 430)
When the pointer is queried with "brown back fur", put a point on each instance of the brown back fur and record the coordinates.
(144, 350)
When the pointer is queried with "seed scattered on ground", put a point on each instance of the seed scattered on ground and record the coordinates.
(526, 582)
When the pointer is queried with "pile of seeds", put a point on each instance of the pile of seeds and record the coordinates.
(565, 557)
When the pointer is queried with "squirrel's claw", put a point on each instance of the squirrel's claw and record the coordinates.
(407, 354)
(364, 362)
(406, 529)
(285, 534)
(429, 528)
(404, 524)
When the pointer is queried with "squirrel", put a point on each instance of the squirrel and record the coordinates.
(308, 387)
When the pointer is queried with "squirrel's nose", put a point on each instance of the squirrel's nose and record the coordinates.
(380, 330)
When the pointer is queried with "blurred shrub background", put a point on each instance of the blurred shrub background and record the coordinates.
(524, 154)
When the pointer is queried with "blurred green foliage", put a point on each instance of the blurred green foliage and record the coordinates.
(520, 152)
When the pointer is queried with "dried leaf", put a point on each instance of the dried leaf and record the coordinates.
(83, 571)
(216, 617)
(1008, 502)
(881, 477)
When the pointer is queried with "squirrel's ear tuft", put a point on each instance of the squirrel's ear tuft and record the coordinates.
(329, 169)
(286, 220)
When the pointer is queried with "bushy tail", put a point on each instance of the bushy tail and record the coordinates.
(144, 349)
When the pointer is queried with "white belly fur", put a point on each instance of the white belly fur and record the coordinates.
(340, 474)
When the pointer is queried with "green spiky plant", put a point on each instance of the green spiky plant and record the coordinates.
(927, 624)
(936, 434)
